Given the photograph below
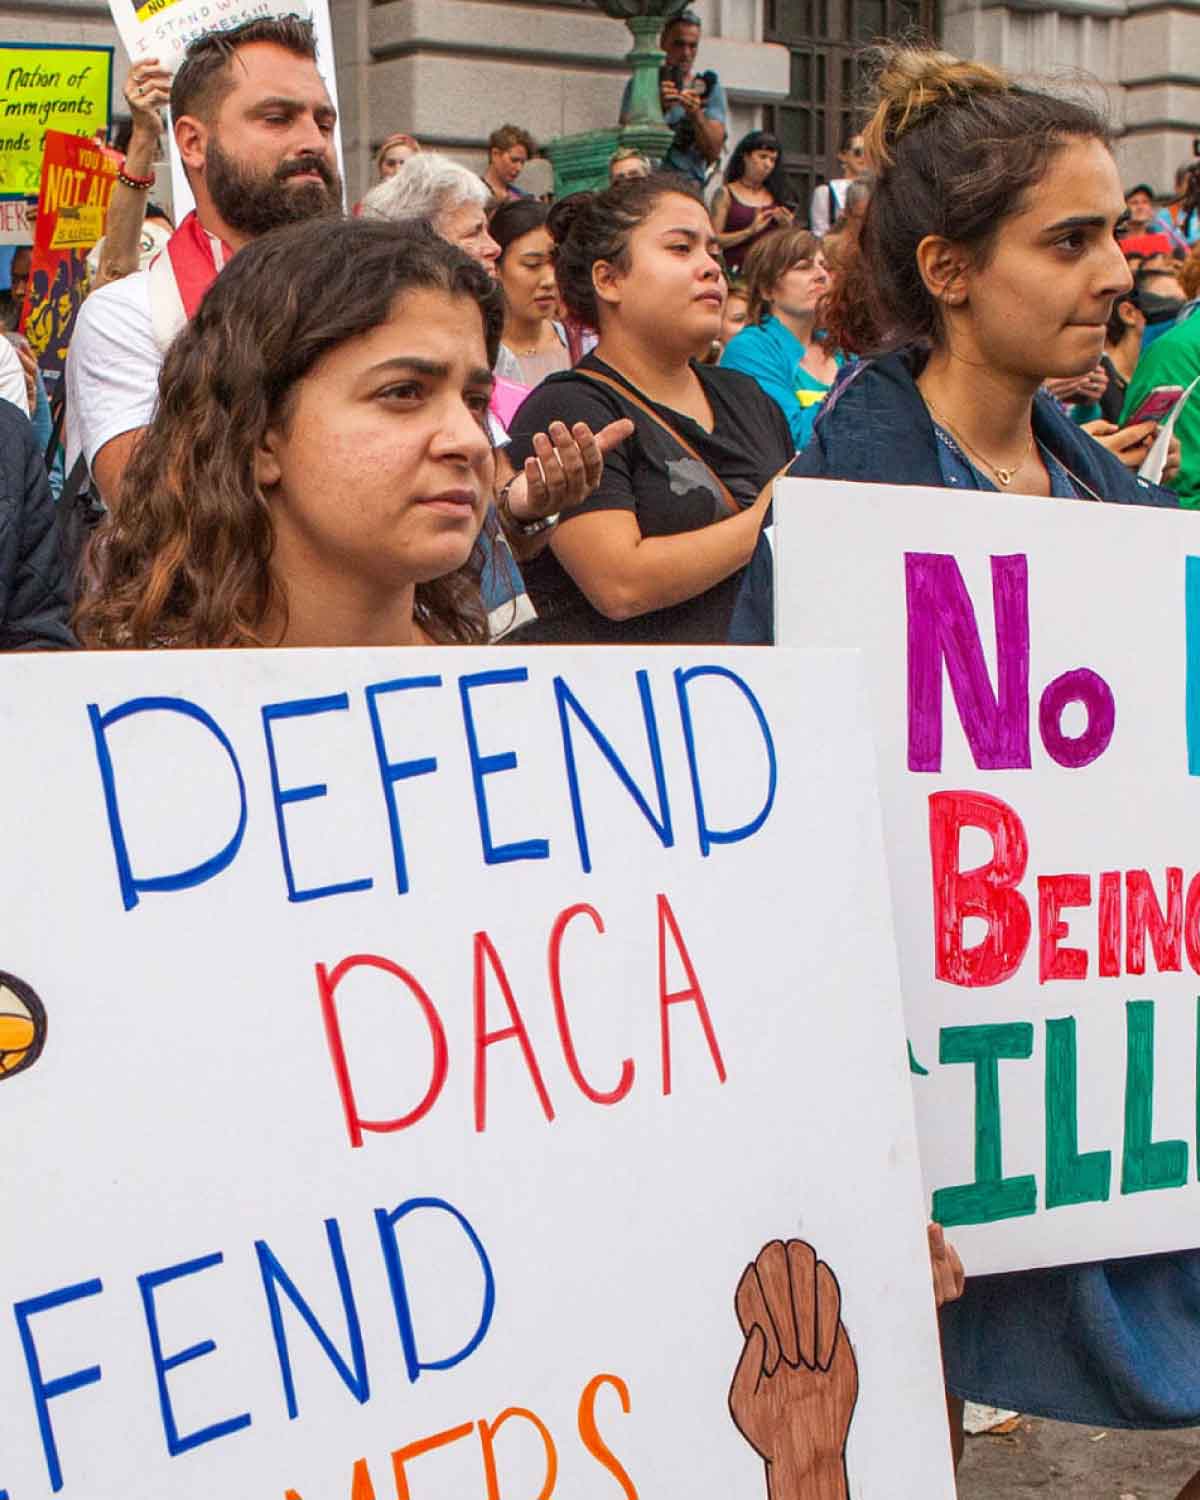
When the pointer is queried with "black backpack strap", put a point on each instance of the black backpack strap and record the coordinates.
(58, 412)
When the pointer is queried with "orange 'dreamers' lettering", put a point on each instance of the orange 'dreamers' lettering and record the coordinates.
(590, 1433)
(361, 1487)
(402, 1456)
(487, 1435)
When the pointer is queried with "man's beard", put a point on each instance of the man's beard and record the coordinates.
(254, 203)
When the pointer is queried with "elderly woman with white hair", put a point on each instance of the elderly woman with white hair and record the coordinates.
(434, 190)
(443, 194)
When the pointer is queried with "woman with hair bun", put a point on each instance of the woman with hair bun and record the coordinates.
(987, 262)
(660, 550)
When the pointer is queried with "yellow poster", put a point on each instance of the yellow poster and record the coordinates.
(78, 228)
(47, 88)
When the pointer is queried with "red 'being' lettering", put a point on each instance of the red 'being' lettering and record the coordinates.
(988, 891)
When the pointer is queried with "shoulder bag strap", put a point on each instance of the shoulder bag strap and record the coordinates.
(643, 406)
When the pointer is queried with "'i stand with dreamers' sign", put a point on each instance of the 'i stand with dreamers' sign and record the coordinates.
(455, 1073)
(1034, 668)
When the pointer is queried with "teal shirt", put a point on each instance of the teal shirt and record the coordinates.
(1174, 359)
(771, 354)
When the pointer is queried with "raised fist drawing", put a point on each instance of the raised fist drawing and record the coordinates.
(796, 1382)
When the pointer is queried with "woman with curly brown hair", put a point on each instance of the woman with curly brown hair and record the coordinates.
(318, 469)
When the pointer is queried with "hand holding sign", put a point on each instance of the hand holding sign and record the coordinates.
(147, 91)
(796, 1384)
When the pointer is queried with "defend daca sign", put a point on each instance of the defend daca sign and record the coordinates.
(1048, 912)
(454, 1072)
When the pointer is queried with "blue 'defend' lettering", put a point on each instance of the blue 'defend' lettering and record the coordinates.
(131, 885)
(708, 836)
(45, 1391)
(386, 1224)
(149, 1283)
(274, 1277)
(301, 708)
(392, 771)
(568, 704)
(490, 765)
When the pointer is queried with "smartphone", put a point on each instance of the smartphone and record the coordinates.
(671, 74)
(1157, 404)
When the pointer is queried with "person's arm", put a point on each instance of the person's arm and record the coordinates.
(710, 131)
(708, 118)
(720, 217)
(147, 90)
(564, 469)
(112, 380)
(13, 384)
(35, 599)
(819, 209)
(109, 465)
(624, 574)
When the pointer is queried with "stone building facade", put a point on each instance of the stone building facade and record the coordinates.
(449, 71)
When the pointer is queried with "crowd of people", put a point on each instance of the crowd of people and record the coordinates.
(460, 414)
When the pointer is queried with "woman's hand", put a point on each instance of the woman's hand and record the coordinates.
(1082, 388)
(565, 470)
(948, 1274)
(1131, 445)
(28, 361)
(147, 91)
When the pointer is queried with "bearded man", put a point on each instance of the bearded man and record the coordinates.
(255, 127)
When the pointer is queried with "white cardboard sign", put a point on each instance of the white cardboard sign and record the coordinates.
(415, 1064)
(1038, 727)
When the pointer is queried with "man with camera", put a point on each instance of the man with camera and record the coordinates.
(693, 103)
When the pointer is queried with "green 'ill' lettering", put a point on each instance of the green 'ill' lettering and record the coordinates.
(1146, 1164)
(1070, 1178)
(991, 1196)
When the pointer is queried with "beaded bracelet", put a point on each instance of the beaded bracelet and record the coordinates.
(139, 184)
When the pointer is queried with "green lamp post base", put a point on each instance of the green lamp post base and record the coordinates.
(581, 161)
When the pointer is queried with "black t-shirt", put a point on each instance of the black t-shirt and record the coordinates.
(1113, 399)
(666, 490)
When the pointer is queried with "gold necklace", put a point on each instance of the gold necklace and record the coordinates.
(1003, 473)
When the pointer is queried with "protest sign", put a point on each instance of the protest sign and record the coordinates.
(16, 224)
(77, 182)
(1038, 722)
(455, 1073)
(47, 87)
